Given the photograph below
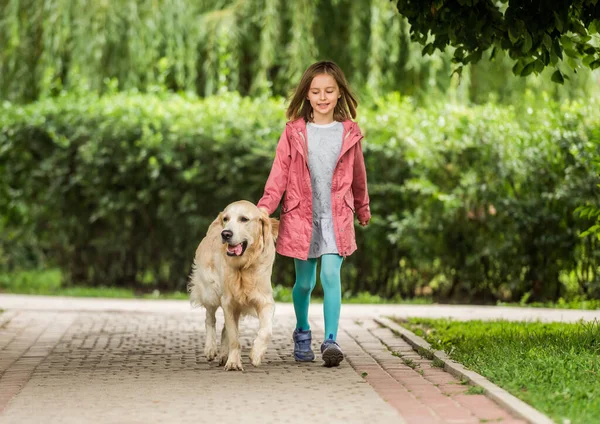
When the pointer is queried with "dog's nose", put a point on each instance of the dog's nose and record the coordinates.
(226, 235)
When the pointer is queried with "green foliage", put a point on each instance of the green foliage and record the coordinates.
(553, 367)
(578, 302)
(120, 189)
(31, 281)
(475, 390)
(480, 199)
(536, 34)
(591, 210)
(256, 47)
(468, 203)
(50, 282)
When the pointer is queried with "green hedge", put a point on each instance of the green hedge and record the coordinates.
(471, 203)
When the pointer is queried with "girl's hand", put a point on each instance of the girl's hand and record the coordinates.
(363, 223)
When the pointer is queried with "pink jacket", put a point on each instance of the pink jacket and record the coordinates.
(290, 175)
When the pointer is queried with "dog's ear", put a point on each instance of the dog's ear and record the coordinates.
(267, 227)
(274, 227)
(218, 221)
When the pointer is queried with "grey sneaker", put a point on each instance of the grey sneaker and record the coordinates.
(331, 353)
(302, 349)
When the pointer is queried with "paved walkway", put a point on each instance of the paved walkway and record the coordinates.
(67, 360)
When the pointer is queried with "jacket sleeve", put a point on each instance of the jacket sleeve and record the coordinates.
(359, 185)
(277, 181)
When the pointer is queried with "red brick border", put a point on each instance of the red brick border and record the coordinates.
(421, 392)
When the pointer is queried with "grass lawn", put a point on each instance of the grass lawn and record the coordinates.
(50, 282)
(553, 367)
(576, 303)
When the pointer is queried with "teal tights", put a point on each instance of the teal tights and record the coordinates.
(306, 279)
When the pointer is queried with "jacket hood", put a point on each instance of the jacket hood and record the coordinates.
(299, 126)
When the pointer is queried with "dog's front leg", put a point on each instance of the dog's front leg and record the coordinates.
(210, 345)
(232, 318)
(265, 331)
(224, 354)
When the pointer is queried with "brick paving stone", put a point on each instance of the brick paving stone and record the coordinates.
(432, 394)
(104, 361)
(114, 367)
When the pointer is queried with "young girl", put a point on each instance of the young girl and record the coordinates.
(319, 165)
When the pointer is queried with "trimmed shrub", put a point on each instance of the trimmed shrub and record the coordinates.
(468, 203)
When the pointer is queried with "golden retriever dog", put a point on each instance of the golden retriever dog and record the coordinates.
(232, 269)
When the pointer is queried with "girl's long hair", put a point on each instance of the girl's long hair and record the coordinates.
(300, 105)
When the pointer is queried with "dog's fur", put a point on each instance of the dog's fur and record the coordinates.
(240, 284)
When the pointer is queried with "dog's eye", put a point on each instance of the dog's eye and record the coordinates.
(225, 219)
(244, 219)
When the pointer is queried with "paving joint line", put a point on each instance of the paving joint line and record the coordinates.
(22, 374)
(6, 317)
(385, 370)
(494, 392)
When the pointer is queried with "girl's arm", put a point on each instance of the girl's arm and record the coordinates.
(277, 181)
(359, 187)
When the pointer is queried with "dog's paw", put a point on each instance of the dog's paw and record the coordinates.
(256, 355)
(210, 352)
(256, 361)
(223, 358)
(234, 366)
(234, 362)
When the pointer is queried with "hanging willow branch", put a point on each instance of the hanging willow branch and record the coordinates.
(206, 46)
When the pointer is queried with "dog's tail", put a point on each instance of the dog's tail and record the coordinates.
(191, 287)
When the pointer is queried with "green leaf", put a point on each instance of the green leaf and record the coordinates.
(527, 43)
(527, 70)
(547, 41)
(557, 77)
(428, 49)
(573, 63)
(577, 27)
(588, 60)
(457, 71)
(539, 66)
(556, 47)
(473, 57)
(595, 64)
(513, 35)
(558, 22)
(517, 68)
(571, 53)
(545, 58)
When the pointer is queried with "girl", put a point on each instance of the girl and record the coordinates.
(320, 167)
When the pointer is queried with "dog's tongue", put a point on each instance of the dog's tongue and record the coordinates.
(236, 250)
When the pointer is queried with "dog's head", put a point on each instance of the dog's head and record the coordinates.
(247, 231)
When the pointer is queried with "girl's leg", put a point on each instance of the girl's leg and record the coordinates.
(331, 265)
(306, 279)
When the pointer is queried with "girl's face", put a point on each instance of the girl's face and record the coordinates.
(323, 95)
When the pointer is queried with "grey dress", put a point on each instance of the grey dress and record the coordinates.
(324, 146)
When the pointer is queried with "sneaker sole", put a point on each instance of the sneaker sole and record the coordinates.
(332, 357)
(304, 359)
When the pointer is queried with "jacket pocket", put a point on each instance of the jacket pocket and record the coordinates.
(290, 204)
(349, 199)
